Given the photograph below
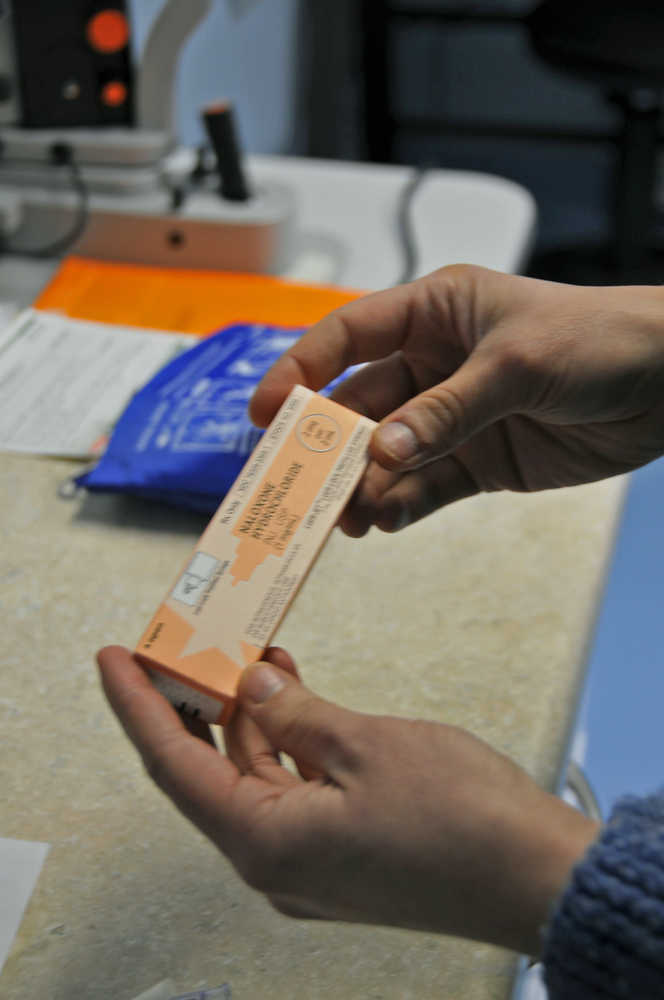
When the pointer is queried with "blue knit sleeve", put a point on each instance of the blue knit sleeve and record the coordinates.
(606, 935)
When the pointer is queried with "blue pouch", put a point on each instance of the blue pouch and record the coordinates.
(185, 436)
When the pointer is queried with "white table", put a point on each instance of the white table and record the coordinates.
(457, 217)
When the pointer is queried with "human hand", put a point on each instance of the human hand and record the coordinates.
(486, 381)
(410, 824)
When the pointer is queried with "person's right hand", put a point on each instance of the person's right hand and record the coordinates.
(486, 381)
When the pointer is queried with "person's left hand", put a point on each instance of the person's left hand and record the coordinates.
(411, 824)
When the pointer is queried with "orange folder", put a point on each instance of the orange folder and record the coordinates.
(188, 301)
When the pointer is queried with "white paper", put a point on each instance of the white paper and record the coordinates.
(8, 310)
(20, 864)
(65, 382)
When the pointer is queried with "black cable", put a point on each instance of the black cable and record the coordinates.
(61, 155)
(201, 169)
(405, 226)
(196, 177)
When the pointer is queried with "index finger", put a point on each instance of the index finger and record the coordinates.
(191, 772)
(366, 329)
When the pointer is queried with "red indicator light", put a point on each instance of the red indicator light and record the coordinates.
(114, 93)
(108, 31)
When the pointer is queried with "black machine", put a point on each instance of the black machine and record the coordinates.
(65, 64)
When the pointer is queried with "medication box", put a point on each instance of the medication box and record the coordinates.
(250, 561)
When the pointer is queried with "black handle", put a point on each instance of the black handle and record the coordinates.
(220, 126)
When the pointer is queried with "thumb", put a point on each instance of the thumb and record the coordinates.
(314, 732)
(440, 419)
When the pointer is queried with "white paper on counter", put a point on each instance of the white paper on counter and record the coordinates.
(20, 864)
(64, 382)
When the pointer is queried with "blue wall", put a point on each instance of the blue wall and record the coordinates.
(242, 51)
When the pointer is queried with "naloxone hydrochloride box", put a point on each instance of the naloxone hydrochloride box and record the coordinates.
(233, 592)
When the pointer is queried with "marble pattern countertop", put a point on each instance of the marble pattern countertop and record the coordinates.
(478, 616)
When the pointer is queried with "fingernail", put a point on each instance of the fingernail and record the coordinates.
(261, 683)
(399, 440)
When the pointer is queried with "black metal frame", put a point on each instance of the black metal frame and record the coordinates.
(381, 124)
(636, 141)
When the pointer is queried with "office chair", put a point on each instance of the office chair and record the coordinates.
(620, 48)
(615, 46)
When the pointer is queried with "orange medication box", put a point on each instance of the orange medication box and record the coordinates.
(251, 559)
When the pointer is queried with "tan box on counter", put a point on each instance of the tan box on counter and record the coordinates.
(252, 558)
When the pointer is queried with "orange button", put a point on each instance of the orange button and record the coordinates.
(114, 93)
(108, 31)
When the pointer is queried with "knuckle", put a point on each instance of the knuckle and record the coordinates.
(311, 726)
(539, 349)
(458, 274)
(367, 740)
(338, 738)
(440, 413)
(257, 760)
(524, 369)
(329, 742)
(296, 730)
(518, 358)
(347, 339)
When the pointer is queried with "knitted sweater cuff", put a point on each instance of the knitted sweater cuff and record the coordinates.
(606, 935)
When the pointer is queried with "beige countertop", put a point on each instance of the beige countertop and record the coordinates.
(478, 616)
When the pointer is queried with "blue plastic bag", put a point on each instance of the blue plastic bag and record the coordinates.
(185, 436)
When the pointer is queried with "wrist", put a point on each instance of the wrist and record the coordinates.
(552, 839)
